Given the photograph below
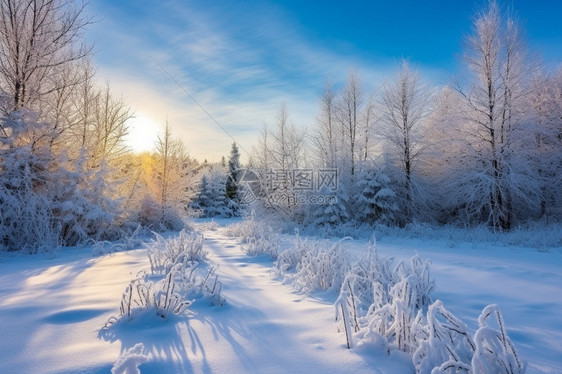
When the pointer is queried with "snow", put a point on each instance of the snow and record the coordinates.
(52, 311)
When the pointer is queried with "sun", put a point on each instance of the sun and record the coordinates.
(143, 132)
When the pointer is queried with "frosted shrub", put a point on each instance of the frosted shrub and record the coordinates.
(174, 293)
(445, 345)
(288, 259)
(265, 241)
(322, 268)
(257, 238)
(383, 302)
(495, 353)
(163, 253)
(376, 301)
(313, 266)
(164, 296)
(179, 276)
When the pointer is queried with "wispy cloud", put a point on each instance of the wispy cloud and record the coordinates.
(240, 66)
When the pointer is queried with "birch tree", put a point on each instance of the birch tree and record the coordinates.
(404, 107)
(39, 39)
(497, 142)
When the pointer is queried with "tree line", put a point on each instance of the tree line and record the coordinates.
(66, 174)
(484, 150)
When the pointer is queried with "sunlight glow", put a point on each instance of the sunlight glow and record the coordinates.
(143, 132)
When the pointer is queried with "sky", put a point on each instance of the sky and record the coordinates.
(219, 70)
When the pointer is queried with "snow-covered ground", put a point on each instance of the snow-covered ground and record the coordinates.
(52, 311)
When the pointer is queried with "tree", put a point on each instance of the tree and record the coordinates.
(172, 165)
(376, 202)
(350, 105)
(497, 144)
(234, 167)
(287, 144)
(325, 138)
(405, 104)
(212, 199)
(545, 117)
(39, 39)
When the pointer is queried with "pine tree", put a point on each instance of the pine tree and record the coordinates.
(376, 202)
(233, 173)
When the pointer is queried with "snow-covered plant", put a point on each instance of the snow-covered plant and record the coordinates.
(129, 361)
(156, 216)
(381, 300)
(212, 198)
(313, 265)
(444, 344)
(174, 293)
(334, 213)
(163, 253)
(179, 276)
(495, 353)
(257, 238)
(322, 268)
(265, 241)
(376, 201)
(290, 258)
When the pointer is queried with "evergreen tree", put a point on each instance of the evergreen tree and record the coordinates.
(376, 202)
(233, 173)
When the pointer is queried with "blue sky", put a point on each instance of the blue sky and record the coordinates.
(242, 59)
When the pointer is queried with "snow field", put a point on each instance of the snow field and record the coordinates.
(52, 310)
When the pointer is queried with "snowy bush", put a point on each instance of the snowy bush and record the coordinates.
(179, 276)
(156, 216)
(290, 258)
(173, 293)
(395, 298)
(444, 343)
(495, 353)
(47, 200)
(381, 301)
(257, 238)
(163, 253)
(313, 265)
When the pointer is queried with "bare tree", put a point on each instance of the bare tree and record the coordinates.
(405, 104)
(325, 138)
(493, 126)
(350, 105)
(287, 143)
(172, 161)
(38, 40)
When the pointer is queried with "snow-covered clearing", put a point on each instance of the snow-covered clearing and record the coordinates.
(52, 312)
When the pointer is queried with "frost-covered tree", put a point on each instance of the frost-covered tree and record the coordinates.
(287, 145)
(38, 40)
(404, 107)
(325, 139)
(212, 198)
(545, 119)
(350, 106)
(376, 201)
(45, 201)
(331, 213)
(234, 167)
(494, 168)
(171, 163)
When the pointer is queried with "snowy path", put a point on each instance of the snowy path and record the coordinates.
(265, 327)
